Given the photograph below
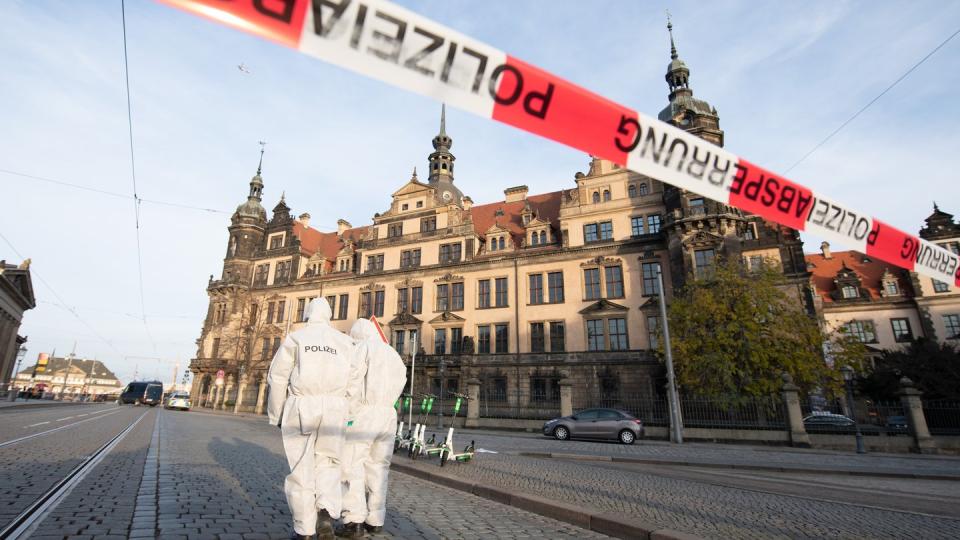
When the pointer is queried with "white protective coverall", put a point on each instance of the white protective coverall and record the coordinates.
(311, 377)
(369, 441)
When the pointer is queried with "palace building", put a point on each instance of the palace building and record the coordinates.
(518, 293)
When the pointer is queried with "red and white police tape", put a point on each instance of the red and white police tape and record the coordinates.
(387, 42)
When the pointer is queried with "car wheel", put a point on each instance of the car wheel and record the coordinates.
(627, 437)
(561, 433)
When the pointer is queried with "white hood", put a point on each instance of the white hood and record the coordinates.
(363, 329)
(318, 311)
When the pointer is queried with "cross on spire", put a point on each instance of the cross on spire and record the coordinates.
(673, 48)
(263, 144)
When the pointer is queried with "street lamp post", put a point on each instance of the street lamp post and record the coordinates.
(676, 419)
(413, 367)
(21, 354)
(848, 382)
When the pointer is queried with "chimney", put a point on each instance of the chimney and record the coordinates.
(343, 225)
(516, 193)
(304, 219)
(467, 202)
(825, 250)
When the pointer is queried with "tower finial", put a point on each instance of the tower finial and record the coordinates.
(673, 48)
(935, 207)
(260, 165)
(283, 196)
(414, 177)
(443, 118)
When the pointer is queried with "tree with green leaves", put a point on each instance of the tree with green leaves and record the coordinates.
(736, 331)
(933, 367)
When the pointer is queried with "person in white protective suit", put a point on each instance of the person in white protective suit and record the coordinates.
(369, 441)
(311, 378)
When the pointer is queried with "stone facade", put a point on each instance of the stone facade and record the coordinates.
(518, 293)
(82, 377)
(16, 297)
(886, 306)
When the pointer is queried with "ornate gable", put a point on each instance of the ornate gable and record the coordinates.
(603, 306)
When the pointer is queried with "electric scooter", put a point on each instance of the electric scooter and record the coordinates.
(417, 443)
(445, 450)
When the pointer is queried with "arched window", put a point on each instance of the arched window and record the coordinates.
(632, 190)
(493, 244)
(502, 243)
(534, 238)
(606, 195)
(643, 189)
(596, 196)
(543, 237)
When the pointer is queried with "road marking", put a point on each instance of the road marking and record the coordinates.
(65, 418)
(25, 523)
(69, 417)
(38, 424)
(65, 426)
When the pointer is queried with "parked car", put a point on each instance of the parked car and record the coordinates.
(596, 424)
(827, 421)
(897, 424)
(142, 393)
(178, 400)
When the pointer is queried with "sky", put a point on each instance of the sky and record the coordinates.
(782, 76)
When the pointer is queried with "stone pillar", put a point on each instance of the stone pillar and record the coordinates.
(195, 390)
(566, 397)
(473, 403)
(214, 395)
(261, 395)
(227, 388)
(241, 388)
(913, 409)
(791, 408)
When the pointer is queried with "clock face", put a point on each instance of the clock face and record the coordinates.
(447, 196)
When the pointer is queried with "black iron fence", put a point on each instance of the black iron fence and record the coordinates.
(943, 417)
(518, 405)
(697, 411)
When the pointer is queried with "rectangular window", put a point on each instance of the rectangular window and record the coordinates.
(365, 306)
(378, 300)
(653, 331)
(260, 276)
(402, 300)
(456, 299)
(501, 292)
(398, 336)
(282, 272)
(653, 224)
(862, 330)
(651, 286)
(901, 330)
(614, 277)
(215, 353)
(271, 307)
(555, 285)
(951, 324)
(590, 233)
(428, 224)
(450, 253)
(456, 340)
(939, 286)
(410, 258)
(332, 302)
(276, 241)
(416, 300)
(276, 345)
(557, 336)
(495, 389)
(636, 226)
(483, 293)
(538, 389)
(440, 341)
(536, 337)
(301, 305)
(254, 311)
(591, 282)
(443, 297)
(755, 263)
(483, 340)
(344, 306)
(595, 335)
(374, 262)
(281, 310)
(265, 349)
(501, 336)
(536, 288)
(618, 334)
(704, 259)
(394, 230)
(606, 230)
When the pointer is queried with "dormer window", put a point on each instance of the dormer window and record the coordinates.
(644, 189)
(596, 196)
(891, 288)
(632, 190)
(276, 241)
(606, 195)
(404, 207)
(502, 244)
(849, 291)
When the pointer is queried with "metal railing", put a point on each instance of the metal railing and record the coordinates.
(943, 417)
(517, 405)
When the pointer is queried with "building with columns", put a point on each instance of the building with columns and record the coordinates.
(16, 297)
(884, 306)
(82, 378)
(518, 293)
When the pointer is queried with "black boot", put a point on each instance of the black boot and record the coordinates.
(351, 530)
(296, 536)
(324, 526)
(372, 529)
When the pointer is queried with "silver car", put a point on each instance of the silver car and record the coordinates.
(178, 400)
(596, 424)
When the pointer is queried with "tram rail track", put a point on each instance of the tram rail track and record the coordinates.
(23, 524)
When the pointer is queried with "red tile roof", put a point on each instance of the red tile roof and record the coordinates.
(545, 206)
(327, 243)
(870, 271)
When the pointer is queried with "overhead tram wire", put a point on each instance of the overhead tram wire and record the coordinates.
(872, 101)
(133, 176)
(59, 298)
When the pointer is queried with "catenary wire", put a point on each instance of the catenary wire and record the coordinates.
(872, 101)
